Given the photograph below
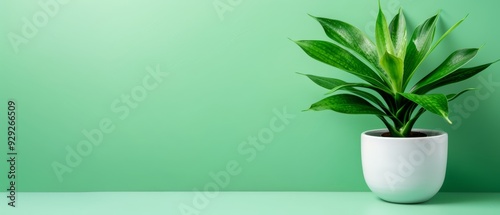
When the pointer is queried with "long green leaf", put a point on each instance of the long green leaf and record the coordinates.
(456, 60)
(434, 103)
(456, 76)
(346, 103)
(351, 85)
(463, 74)
(338, 57)
(393, 66)
(351, 88)
(447, 33)
(332, 83)
(371, 98)
(382, 34)
(399, 34)
(325, 82)
(453, 96)
(418, 47)
(350, 37)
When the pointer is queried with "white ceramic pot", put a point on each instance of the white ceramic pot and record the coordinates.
(404, 170)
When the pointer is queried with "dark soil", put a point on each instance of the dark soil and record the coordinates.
(412, 134)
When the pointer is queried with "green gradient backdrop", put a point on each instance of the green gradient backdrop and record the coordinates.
(227, 79)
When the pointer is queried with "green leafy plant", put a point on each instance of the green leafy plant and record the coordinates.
(386, 68)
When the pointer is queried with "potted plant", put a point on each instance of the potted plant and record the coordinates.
(400, 164)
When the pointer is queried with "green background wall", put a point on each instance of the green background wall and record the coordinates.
(231, 77)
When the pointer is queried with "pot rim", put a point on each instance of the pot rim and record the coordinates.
(429, 132)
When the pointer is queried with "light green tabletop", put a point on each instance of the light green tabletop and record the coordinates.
(242, 203)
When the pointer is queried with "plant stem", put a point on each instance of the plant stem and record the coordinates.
(407, 128)
(394, 132)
